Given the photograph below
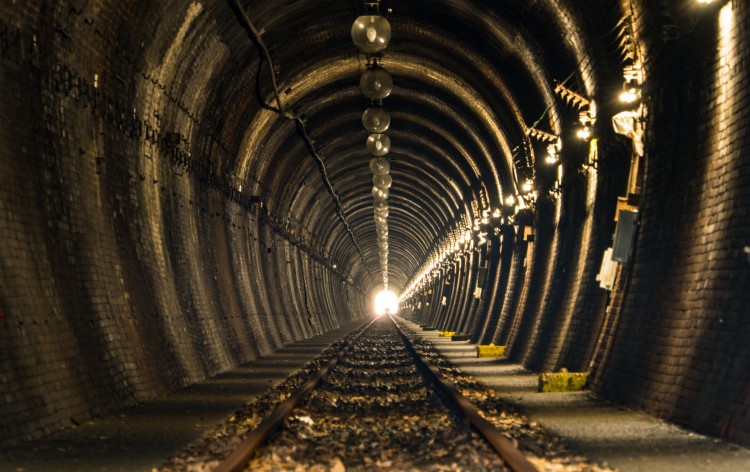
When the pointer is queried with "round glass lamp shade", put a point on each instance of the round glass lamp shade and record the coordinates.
(376, 120)
(378, 144)
(381, 212)
(382, 181)
(371, 33)
(376, 83)
(378, 194)
(380, 165)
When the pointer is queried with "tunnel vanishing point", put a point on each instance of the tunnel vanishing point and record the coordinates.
(184, 187)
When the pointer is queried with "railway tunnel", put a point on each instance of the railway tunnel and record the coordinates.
(188, 186)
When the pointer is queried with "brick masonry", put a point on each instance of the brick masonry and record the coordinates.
(133, 267)
(671, 338)
(130, 267)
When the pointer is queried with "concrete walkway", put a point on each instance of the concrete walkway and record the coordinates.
(631, 441)
(142, 437)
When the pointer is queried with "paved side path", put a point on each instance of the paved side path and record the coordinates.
(631, 441)
(140, 438)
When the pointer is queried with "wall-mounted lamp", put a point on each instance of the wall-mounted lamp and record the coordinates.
(587, 118)
(552, 157)
(630, 93)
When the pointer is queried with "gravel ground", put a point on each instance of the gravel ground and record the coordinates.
(375, 412)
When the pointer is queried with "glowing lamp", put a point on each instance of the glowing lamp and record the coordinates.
(378, 194)
(380, 165)
(584, 133)
(376, 120)
(371, 33)
(527, 186)
(629, 95)
(382, 181)
(378, 144)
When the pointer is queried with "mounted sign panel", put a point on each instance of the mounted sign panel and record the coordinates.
(624, 236)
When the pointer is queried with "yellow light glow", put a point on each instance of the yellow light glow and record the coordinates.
(629, 96)
(584, 133)
(386, 301)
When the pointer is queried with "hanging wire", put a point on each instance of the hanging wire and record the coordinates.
(300, 125)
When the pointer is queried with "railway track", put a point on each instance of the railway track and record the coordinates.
(379, 400)
(381, 384)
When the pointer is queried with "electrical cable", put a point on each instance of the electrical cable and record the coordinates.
(300, 125)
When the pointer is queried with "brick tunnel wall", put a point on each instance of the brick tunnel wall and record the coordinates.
(672, 337)
(129, 267)
(680, 347)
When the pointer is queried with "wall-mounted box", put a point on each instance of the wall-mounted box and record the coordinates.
(624, 236)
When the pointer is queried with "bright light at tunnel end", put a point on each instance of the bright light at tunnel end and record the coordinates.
(386, 301)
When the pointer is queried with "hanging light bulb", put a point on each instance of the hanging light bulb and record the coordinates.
(378, 144)
(376, 83)
(510, 200)
(382, 181)
(380, 165)
(584, 133)
(371, 33)
(376, 120)
(527, 186)
(378, 194)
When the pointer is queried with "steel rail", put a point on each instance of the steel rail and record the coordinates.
(239, 459)
(512, 457)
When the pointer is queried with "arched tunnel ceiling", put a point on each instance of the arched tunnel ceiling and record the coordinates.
(469, 78)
